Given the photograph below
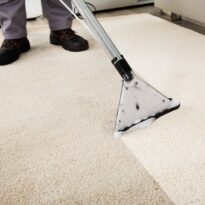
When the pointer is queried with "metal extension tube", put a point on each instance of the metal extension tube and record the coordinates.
(95, 26)
(102, 37)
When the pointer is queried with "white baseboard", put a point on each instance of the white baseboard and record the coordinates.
(33, 8)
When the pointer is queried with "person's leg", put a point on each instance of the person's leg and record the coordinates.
(13, 18)
(13, 24)
(60, 23)
(57, 15)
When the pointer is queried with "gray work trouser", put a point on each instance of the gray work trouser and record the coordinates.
(13, 17)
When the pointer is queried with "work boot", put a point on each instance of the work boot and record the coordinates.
(11, 49)
(69, 40)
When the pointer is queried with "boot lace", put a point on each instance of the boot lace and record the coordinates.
(67, 33)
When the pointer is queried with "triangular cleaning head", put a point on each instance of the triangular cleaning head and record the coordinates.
(140, 104)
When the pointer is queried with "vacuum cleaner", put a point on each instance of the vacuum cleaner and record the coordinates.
(140, 104)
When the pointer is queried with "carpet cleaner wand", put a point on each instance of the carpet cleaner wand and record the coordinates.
(140, 104)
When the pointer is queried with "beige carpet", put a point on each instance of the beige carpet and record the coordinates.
(57, 120)
(172, 149)
(56, 129)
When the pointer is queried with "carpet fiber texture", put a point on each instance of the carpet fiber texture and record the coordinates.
(172, 59)
(58, 112)
(56, 128)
